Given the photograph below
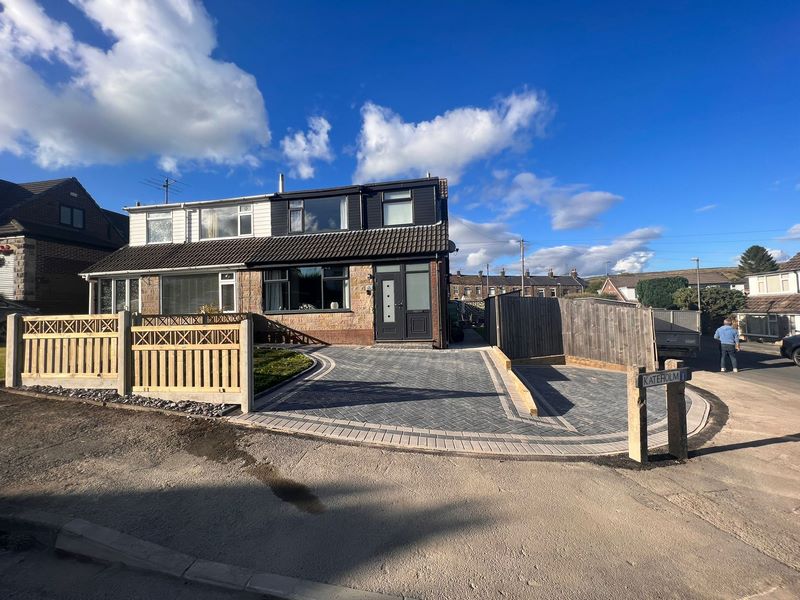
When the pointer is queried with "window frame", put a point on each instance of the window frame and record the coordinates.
(233, 282)
(401, 200)
(160, 215)
(300, 208)
(345, 277)
(73, 210)
(239, 214)
(114, 308)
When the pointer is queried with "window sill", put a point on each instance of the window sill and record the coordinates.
(320, 311)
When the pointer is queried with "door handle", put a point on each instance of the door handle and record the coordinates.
(399, 304)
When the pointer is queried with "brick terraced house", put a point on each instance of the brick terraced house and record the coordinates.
(359, 264)
(476, 287)
(50, 231)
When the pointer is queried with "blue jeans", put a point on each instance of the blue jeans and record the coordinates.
(730, 351)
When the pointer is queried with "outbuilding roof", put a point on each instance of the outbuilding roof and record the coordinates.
(708, 276)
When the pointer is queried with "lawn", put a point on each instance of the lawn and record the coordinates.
(272, 365)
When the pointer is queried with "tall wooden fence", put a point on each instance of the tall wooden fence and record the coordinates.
(203, 362)
(588, 329)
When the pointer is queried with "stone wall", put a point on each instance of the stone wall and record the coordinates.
(150, 294)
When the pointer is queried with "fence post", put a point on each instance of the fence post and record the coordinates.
(246, 364)
(637, 416)
(676, 415)
(13, 350)
(124, 352)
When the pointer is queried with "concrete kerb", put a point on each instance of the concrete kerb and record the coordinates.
(82, 538)
(307, 352)
(501, 360)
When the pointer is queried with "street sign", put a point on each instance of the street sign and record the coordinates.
(664, 377)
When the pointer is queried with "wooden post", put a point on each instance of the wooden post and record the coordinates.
(246, 364)
(13, 350)
(637, 416)
(676, 415)
(124, 353)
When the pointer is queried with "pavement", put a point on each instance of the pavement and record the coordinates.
(460, 401)
(722, 525)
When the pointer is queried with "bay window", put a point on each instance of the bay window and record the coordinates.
(306, 288)
(115, 295)
(187, 294)
(318, 214)
(159, 228)
(397, 208)
(226, 221)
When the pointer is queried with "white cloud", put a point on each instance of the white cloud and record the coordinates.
(571, 206)
(301, 148)
(390, 147)
(480, 243)
(778, 254)
(705, 208)
(155, 92)
(627, 253)
(793, 233)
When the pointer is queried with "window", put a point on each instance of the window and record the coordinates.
(491, 291)
(784, 282)
(418, 287)
(306, 288)
(118, 294)
(397, 208)
(552, 292)
(540, 292)
(72, 217)
(226, 221)
(159, 228)
(186, 294)
(318, 214)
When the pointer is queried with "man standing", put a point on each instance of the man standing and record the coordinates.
(729, 344)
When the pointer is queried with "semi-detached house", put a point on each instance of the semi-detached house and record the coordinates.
(357, 264)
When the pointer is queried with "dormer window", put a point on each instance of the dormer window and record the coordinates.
(72, 217)
(159, 228)
(397, 208)
(226, 221)
(318, 214)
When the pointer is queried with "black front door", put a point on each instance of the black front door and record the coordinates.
(402, 302)
(390, 313)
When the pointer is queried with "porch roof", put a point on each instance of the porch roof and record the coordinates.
(279, 250)
(773, 304)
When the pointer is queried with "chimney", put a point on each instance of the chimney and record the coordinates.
(527, 272)
(550, 272)
(502, 272)
(280, 183)
(480, 273)
(573, 273)
(458, 273)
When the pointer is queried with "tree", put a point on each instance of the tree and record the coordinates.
(658, 292)
(595, 285)
(717, 304)
(756, 259)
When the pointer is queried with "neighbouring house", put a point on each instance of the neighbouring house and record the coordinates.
(623, 286)
(357, 264)
(50, 231)
(476, 287)
(772, 309)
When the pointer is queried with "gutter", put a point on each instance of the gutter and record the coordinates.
(87, 276)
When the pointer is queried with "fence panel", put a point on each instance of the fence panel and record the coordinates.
(56, 349)
(186, 358)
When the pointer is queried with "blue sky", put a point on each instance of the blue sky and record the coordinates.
(636, 135)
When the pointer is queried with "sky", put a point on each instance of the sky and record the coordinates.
(613, 136)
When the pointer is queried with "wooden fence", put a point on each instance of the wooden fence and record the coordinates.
(202, 362)
(584, 329)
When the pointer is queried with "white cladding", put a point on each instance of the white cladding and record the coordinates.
(186, 223)
(7, 279)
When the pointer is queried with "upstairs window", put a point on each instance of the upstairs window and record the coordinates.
(159, 228)
(318, 214)
(72, 217)
(226, 221)
(397, 208)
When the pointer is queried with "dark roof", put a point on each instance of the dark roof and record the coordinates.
(118, 221)
(793, 264)
(76, 236)
(280, 250)
(708, 276)
(37, 187)
(514, 280)
(778, 303)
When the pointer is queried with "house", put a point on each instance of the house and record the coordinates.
(772, 309)
(477, 287)
(50, 231)
(623, 286)
(357, 264)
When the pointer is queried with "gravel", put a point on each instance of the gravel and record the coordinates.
(186, 406)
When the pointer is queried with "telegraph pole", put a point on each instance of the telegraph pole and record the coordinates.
(522, 267)
(697, 262)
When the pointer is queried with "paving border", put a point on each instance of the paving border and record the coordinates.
(495, 445)
(88, 540)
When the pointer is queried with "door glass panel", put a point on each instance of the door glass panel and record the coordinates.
(228, 293)
(387, 269)
(119, 295)
(388, 301)
(105, 296)
(418, 293)
(417, 267)
(134, 287)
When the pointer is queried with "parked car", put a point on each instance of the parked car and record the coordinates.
(790, 348)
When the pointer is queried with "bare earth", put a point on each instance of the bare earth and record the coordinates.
(724, 525)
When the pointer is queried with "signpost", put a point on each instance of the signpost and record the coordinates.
(675, 378)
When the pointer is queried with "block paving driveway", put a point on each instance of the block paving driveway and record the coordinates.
(459, 401)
